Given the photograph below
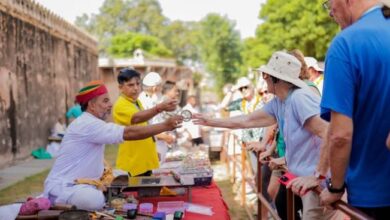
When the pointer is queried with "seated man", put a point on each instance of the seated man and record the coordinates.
(82, 149)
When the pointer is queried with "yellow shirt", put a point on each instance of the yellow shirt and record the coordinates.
(135, 157)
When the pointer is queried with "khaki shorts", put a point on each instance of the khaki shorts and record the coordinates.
(313, 210)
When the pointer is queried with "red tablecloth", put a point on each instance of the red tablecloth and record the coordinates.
(207, 196)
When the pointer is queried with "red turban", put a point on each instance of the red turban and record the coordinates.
(90, 91)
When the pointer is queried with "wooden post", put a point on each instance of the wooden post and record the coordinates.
(226, 136)
(259, 186)
(234, 159)
(290, 205)
(243, 174)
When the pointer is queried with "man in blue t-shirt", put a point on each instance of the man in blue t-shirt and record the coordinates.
(356, 99)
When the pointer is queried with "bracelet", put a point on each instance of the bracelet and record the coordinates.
(158, 109)
(319, 176)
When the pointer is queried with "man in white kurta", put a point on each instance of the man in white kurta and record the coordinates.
(81, 156)
(82, 149)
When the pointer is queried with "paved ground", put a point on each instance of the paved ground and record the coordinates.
(21, 170)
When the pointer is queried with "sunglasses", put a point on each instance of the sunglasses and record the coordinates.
(263, 92)
(243, 88)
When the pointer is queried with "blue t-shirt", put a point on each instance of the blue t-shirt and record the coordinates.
(302, 147)
(74, 112)
(357, 84)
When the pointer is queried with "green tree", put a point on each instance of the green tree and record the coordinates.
(301, 24)
(254, 53)
(182, 37)
(120, 16)
(123, 45)
(220, 47)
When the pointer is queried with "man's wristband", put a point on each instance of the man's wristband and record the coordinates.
(331, 189)
(158, 109)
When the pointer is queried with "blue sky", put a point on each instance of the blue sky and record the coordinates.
(243, 12)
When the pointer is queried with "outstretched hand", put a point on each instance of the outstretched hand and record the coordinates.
(174, 122)
(200, 119)
(168, 105)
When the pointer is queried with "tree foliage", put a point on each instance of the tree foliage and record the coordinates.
(123, 45)
(121, 16)
(254, 53)
(302, 24)
(220, 47)
(182, 38)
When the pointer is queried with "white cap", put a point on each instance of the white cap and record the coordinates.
(312, 62)
(152, 79)
(242, 81)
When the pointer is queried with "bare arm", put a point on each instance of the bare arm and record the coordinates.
(226, 100)
(256, 119)
(340, 144)
(319, 127)
(134, 132)
(145, 115)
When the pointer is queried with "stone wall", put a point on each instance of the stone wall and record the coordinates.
(43, 62)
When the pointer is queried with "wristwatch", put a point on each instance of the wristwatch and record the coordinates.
(331, 189)
(318, 175)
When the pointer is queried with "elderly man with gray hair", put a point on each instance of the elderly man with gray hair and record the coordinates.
(296, 110)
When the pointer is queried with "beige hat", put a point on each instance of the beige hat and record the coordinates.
(386, 2)
(152, 79)
(284, 67)
(312, 62)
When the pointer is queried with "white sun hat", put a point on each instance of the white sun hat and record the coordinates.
(285, 67)
(152, 79)
(312, 62)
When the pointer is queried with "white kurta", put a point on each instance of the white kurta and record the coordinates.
(81, 155)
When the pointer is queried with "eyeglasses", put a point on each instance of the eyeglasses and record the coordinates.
(243, 88)
(326, 5)
(263, 92)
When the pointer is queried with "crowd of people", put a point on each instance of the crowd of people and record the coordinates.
(328, 129)
(327, 126)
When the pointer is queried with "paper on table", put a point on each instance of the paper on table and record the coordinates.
(199, 209)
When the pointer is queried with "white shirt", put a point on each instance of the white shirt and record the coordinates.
(192, 128)
(148, 101)
(82, 153)
(58, 130)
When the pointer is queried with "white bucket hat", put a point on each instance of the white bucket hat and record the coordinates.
(284, 67)
(152, 79)
(312, 62)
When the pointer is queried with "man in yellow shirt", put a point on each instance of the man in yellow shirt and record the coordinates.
(138, 157)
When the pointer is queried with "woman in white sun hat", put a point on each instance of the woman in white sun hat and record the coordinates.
(296, 110)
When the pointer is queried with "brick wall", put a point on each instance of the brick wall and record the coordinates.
(43, 62)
